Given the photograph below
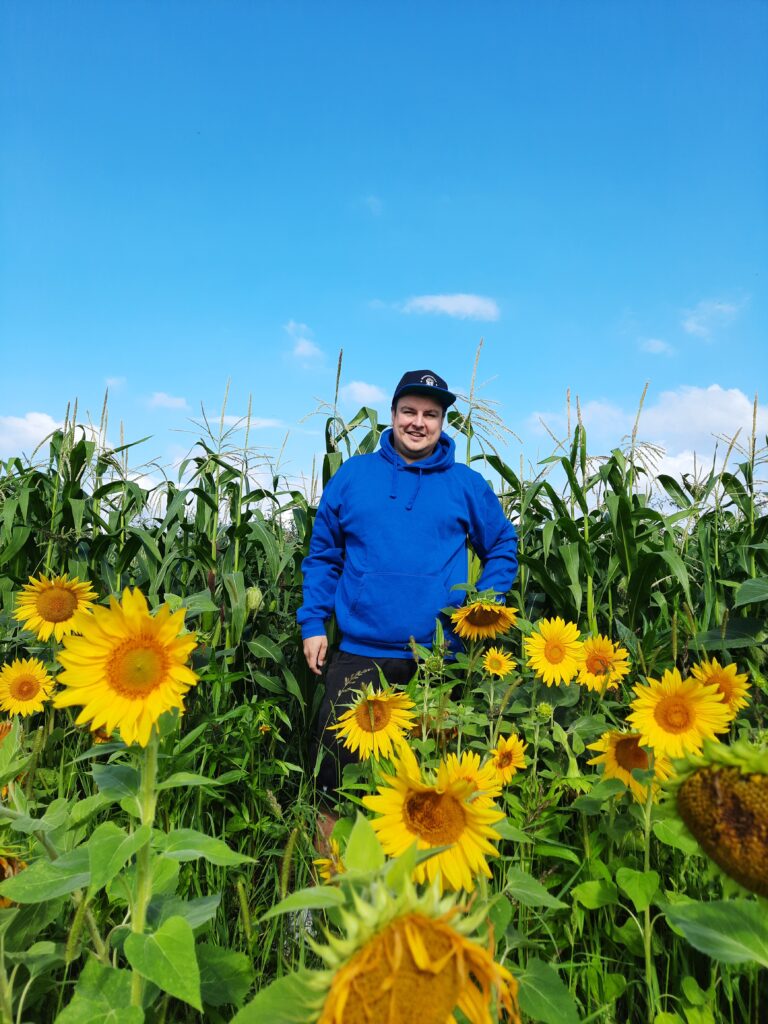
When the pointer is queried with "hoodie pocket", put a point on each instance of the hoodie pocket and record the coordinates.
(391, 607)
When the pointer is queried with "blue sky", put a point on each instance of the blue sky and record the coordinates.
(192, 192)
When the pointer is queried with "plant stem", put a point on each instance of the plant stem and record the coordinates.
(147, 804)
(651, 981)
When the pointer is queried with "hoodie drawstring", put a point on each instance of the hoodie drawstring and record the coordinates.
(412, 501)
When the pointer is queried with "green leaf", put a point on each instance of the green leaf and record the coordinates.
(734, 931)
(197, 911)
(116, 780)
(524, 887)
(364, 852)
(45, 879)
(596, 894)
(668, 1018)
(500, 914)
(102, 996)
(751, 592)
(544, 996)
(40, 957)
(187, 779)
(285, 1001)
(640, 886)
(188, 844)
(263, 647)
(108, 850)
(225, 976)
(675, 833)
(167, 958)
(55, 816)
(319, 897)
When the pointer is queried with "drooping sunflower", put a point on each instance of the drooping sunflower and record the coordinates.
(48, 605)
(376, 723)
(127, 667)
(722, 796)
(332, 865)
(405, 958)
(497, 662)
(675, 716)
(732, 684)
(605, 664)
(479, 620)
(432, 815)
(467, 768)
(25, 686)
(508, 757)
(620, 754)
(554, 651)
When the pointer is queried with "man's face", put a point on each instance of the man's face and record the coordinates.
(416, 425)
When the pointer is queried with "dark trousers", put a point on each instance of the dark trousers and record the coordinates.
(345, 674)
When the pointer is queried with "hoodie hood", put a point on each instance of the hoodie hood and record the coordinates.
(441, 459)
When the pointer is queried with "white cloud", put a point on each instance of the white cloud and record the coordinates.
(366, 394)
(375, 205)
(22, 434)
(257, 422)
(685, 421)
(707, 316)
(161, 400)
(304, 349)
(115, 383)
(465, 307)
(656, 347)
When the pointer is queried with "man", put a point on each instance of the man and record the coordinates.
(389, 544)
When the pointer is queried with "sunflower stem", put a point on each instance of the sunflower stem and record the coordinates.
(651, 981)
(147, 804)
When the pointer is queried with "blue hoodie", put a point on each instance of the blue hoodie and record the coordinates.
(389, 543)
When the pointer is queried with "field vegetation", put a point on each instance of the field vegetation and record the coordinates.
(159, 865)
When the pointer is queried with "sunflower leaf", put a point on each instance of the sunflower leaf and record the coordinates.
(319, 897)
(640, 886)
(364, 852)
(168, 959)
(544, 996)
(189, 844)
(524, 888)
(733, 931)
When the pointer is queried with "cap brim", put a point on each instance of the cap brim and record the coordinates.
(446, 398)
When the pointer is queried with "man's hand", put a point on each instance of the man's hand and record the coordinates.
(315, 650)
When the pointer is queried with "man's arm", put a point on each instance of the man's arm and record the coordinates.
(321, 570)
(494, 539)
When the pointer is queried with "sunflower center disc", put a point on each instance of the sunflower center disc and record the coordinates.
(724, 685)
(598, 664)
(630, 755)
(483, 617)
(56, 604)
(437, 818)
(554, 652)
(385, 982)
(24, 688)
(136, 670)
(505, 759)
(673, 715)
(727, 812)
(373, 715)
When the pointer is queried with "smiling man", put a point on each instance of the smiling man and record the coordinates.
(388, 545)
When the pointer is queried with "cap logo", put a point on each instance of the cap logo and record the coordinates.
(430, 381)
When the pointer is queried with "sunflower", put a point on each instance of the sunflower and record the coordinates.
(467, 768)
(10, 866)
(722, 797)
(5, 729)
(405, 958)
(376, 723)
(620, 753)
(25, 686)
(48, 605)
(507, 757)
(127, 668)
(328, 867)
(555, 652)
(732, 685)
(483, 619)
(675, 716)
(440, 814)
(497, 662)
(605, 664)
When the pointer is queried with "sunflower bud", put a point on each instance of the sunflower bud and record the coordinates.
(544, 711)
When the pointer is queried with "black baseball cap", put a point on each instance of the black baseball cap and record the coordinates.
(424, 382)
